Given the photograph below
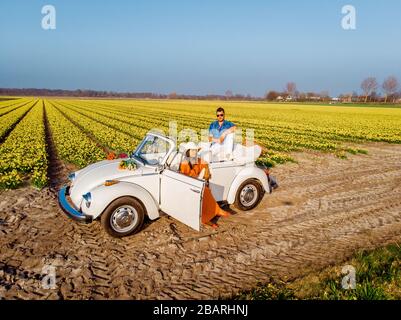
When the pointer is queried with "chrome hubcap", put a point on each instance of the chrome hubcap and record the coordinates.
(248, 195)
(124, 218)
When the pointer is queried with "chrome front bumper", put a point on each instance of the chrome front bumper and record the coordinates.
(69, 208)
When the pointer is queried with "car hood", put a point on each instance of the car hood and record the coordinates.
(96, 174)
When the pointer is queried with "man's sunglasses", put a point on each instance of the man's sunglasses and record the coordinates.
(220, 115)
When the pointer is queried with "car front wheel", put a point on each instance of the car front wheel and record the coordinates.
(123, 217)
(249, 194)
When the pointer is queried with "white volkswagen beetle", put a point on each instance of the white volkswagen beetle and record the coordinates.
(151, 184)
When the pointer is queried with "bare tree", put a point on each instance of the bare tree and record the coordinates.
(390, 87)
(291, 88)
(368, 86)
(173, 95)
(325, 95)
(229, 94)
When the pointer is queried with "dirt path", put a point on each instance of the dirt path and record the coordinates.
(325, 209)
(58, 170)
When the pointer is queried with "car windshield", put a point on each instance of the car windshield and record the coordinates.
(152, 150)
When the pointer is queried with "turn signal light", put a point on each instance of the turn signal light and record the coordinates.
(109, 183)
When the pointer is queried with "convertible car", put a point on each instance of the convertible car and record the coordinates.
(148, 183)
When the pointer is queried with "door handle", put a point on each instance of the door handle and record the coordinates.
(195, 190)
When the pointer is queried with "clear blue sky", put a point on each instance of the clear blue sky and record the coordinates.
(198, 47)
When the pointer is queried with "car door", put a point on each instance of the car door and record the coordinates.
(181, 197)
(222, 176)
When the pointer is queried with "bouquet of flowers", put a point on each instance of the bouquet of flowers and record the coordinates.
(128, 164)
(112, 156)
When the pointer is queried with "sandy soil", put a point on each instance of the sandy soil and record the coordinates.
(324, 210)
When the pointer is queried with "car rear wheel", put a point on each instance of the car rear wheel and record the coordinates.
(249, 194)
(123, 217)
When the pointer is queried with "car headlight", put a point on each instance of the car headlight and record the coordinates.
(71, 176)
(88, 199)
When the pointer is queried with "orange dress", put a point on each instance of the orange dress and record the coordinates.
(210, 208)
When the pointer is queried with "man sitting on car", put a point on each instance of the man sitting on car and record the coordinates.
(221, 135)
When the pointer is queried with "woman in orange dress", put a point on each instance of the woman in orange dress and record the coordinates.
(197, 168)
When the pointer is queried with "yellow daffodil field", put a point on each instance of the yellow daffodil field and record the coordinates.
(84, 131)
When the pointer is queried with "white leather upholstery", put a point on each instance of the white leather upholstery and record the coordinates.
(175, 163)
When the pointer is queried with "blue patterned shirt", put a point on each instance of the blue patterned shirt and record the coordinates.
(216, 131)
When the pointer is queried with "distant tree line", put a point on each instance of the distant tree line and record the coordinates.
(290, 93)
(112, 94)
(372, 91)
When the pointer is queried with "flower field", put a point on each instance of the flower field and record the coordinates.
(11, 115)
(24, 151)
(84, 131)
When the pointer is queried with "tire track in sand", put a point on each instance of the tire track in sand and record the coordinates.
(324, 210)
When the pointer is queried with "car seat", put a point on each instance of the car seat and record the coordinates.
(175, 162)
